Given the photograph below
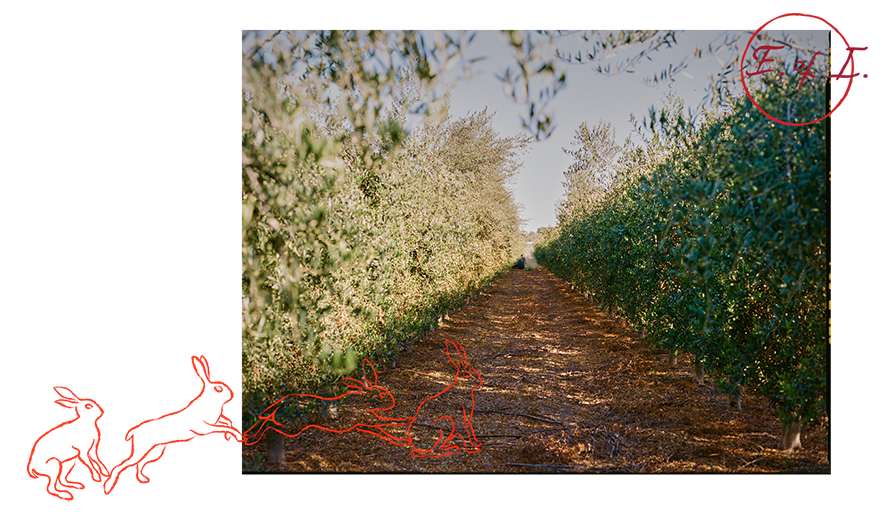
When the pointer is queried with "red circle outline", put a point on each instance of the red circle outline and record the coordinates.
(748, 92)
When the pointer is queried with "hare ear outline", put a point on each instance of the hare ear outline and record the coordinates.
(201, 366)
(66, 397)
(353, 384)
(463, 356)
(64, 392)
(371, 384)
(449, 355)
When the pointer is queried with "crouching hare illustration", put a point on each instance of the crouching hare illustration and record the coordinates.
(448, 432)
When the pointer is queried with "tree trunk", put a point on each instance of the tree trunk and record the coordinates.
(697, 374)
(735, 401)
(276, 450)
(672, 359)
(790, 436)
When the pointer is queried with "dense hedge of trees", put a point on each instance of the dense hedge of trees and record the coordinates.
(712, 238)
(366, 217)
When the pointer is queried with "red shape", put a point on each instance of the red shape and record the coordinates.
(765, 59)
(122, 403)
(267, 419)
(805, 73)
(464, 430)
(749, 74)
(446, 443)
(851, 31)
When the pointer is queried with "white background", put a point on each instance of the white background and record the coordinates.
(35, 153)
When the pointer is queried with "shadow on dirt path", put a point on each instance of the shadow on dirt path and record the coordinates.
(565, 389)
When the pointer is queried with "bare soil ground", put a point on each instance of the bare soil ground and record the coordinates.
(565, 389)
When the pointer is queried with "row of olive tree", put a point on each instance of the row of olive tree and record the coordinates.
(712, 238)
(357, 234)
(366, 217)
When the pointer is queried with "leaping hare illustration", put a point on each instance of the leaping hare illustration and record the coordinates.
(450, 435)
(368, 385)
(149, 439)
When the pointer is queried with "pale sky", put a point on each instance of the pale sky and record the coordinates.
(587, 97)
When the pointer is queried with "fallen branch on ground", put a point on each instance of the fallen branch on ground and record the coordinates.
(555, 429)
(749, 463)
(541, 466)
(518, 414)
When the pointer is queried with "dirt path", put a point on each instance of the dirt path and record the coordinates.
(565, 389)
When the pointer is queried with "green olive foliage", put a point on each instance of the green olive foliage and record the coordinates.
(360, 227)
(713, 238)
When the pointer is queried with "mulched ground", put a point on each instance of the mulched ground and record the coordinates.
(565, 389)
